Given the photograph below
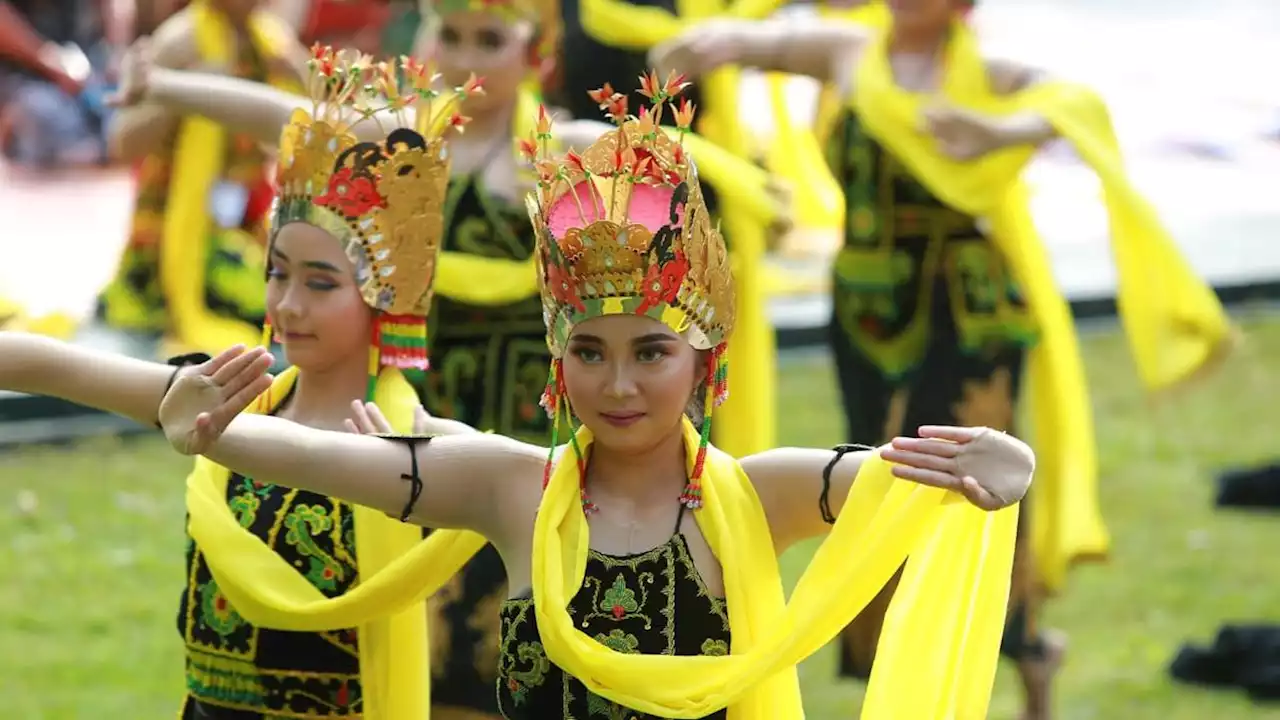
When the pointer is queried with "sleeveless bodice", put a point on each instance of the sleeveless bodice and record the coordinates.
(654, 602)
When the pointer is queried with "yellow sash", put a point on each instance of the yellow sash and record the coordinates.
(1173, 320)
(198, 157)
(266, 591)
(937, 653)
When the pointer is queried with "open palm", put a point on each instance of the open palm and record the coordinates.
(201, 404)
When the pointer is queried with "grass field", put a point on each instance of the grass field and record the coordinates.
(90, 542)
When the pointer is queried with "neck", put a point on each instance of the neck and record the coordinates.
(655, 475)
(492, 124)
(322, 398)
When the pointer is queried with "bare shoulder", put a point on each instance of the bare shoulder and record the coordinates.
(174, 42)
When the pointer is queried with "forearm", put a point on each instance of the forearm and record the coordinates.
(114, 383)
(1028, 128)
(242, 106)
(814, 47)
(360, 469)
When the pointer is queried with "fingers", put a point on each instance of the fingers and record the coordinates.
(379, 420)
(368, 419)
(933, 478)
(920, 460)
(941, 448)
(239, 400)
(239, 363)
(947, 432)
(248, 370)
(215, 364)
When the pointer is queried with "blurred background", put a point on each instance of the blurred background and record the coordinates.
(91, 509)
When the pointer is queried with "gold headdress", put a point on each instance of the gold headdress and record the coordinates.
(382, 200)
(623, 228)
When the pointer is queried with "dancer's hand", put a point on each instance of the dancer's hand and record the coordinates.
(699, 49)
(367, 419)
(964, 134)
(134, 75)
(203, 402)
(779, 191)
(990, 468)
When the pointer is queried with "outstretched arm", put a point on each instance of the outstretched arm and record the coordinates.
(113, 383)
(243, 106)
(474, 481)
(816, 47)
(803, 490)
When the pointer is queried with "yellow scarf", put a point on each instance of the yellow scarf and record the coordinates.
(1174, 322)
(266, 591)
(940, 642)
(198, 157)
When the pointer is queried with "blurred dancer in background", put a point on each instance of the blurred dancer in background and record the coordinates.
(936, 313)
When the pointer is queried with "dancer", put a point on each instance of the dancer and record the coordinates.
(933, 313)
(195, 258)
(355, 236)
(488, 347)
(647, 541)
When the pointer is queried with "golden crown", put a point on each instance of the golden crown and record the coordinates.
(384, 200)
(623, 228)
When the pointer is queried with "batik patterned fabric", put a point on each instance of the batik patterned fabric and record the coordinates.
(236, 670)
(629, 604)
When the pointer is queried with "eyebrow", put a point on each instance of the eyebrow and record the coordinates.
(313, 264)
(642, 340)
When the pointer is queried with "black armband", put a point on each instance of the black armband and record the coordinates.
(824, 499)
(178, 362)
(415, 480)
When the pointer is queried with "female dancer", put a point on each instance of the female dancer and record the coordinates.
(638, 539)
(348, 307)
(933, 315)
(487, 345)
(204, 188)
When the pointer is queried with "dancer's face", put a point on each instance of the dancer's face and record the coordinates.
(629, 379)
(484, 43)
(316, 310)
(924, 15)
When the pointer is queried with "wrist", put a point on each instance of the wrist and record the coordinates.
(1027, 128)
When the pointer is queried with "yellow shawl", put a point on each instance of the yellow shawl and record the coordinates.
(198, 157)
(1173, 320)
(938, 651)
(266, 591)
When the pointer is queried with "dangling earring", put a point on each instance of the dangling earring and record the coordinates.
(717, 390)
(554, 402)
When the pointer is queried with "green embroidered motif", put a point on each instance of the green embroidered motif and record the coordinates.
(303, 524)
(521, 681)
(249, 501)
(619, 641)
(619, 600)
(715, 648)
(216, 612)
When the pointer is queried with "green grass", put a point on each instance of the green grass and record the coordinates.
(93, 571)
